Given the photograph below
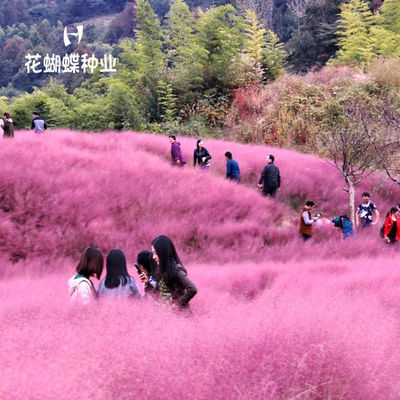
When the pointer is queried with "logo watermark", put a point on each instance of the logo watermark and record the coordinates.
(72, 63)
(78, 34)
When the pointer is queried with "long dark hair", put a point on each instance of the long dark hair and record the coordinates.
(197, 144)
(146, 260)
(167, 256)
(91, 263)
(117, 274)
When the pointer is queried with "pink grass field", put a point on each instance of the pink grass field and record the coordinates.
(274, 318)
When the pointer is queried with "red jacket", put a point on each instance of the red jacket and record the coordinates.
(388, 226)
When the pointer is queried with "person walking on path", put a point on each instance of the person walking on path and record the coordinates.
(8, 126)
(232, 168)
(177, 156)
(201, 156)
(270, 180)
(38, 123)
(307, 220)
(391, 228)
(367, 214)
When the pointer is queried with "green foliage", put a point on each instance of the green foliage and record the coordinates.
(149, 58)
(390, 16)
(263, 47)
(364, 36)
(315, 42)
(23, 106)
(185, 56)
(294, 110)
(355, 23)
(179, 30)
(274, 56)
(167, 101)
(218, 33)
(254, 41)
(143, 60)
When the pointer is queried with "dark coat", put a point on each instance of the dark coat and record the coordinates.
(270, 177)
(198, 157)
(8, 128)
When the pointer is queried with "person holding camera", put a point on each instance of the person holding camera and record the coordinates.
(147, 270)
(307, 220)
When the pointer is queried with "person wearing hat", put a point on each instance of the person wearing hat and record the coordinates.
(270, 179)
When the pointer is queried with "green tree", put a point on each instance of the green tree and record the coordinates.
(185, 56)
(254, 37)
(179, 29)
(218, 33)
(316, 42)
(274, 56)
(354, 26)
(143, 61)
(167, 101)
(385, 34)
(263, 48)
(390, 16)
(384, 42)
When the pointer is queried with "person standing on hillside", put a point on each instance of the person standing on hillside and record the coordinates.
(307, 220)
(38, 123)
(367, 213)
(391, 228)
(201, 156)
(270, 180)
(8, 126)
(177, 156)
(232, 168)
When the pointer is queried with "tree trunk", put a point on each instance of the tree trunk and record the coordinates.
(351, 203)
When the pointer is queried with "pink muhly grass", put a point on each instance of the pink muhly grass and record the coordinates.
(274, 318)
(279, 331)
(66, 191)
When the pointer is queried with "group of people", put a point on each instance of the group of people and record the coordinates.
(367, 215)
(7, 126)
(270, 179)
(160, 270)
(38, 124)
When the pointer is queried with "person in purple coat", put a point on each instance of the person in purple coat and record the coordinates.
(177, 157)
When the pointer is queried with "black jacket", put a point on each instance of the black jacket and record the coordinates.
(198, 157)
(270, 177)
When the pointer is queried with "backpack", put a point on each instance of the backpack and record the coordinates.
(337, 222)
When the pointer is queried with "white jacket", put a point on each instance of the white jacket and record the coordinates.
(81, 289)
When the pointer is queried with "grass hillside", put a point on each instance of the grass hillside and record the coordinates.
(69, 190)
(275, 318)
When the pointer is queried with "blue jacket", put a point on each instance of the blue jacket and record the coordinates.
(232, 170)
